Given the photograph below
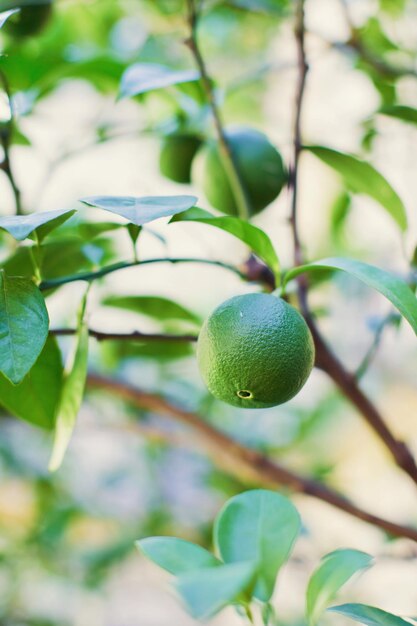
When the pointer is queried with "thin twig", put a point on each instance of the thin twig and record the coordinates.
(356, 44)
(232, 172)
(325, 358)
(241, 460)
(327, 361)
(109, 269)
(133, 336)
(299, 32)
(5, 138)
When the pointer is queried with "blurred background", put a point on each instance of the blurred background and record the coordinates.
(66, 540)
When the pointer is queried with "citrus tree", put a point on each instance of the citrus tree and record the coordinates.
(189, 82)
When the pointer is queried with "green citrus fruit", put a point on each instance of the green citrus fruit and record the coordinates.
(259, 163)
(177, 153)
(31, 18)
(255, 351)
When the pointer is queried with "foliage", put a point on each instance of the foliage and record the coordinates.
(190, 69)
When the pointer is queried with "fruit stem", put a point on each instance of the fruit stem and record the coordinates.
(232, 172)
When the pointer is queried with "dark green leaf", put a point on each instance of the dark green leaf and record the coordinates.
(400, 112)
(21, 226)
(36, 398)
(333, 572)
(395, 289)
(369, 615)
(143, 77)
(142, 210)
(254, 237)
(362, 177)
(71, 397)
(134, 232)
(176, 555)
(23, 326)
(259, 526)
(155, 307)
(207, 591)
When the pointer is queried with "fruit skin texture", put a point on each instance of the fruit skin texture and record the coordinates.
(31, 18)
(260, 165)
(255, 343)
(176, 156)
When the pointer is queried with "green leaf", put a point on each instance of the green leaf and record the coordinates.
(23, 326)
(261, 6)
(254, 237)
(21, 226)
(90, 230)
(176, 556)
(36, 398)
(142, 210)
(155, 307)
(333, 572)
(71, 397)
(259, 526)
(369, 615)
(207, 591)
(401, 112)
(4, 16)
(394, 289)
(116, 351)
(143, 77)
(362, 177)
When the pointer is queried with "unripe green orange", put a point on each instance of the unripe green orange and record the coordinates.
(260, 165)
(30, 19)
(176, 156)
(255, 351)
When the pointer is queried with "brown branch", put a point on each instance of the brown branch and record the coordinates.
(133, 336)
(5, 139)
(231, 170)
(325, 358)
(347, 383)
(238, 458)
(299, 32)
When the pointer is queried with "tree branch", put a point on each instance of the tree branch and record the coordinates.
(5, 139)
(232, 172)
(238, 458)
(299, 32)
(104, 271)
(133, 336)
(325, 358)
(347, 383)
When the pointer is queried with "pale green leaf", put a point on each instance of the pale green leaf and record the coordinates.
(4, 16)
(142, 210)
(207, 591)
(21, 226)
(71, 397)
(143, 77)
(176, 556)
(369, 615)
(393, 288)
(259, 526)
(333, 572)
(257, 240)
(361, 177)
